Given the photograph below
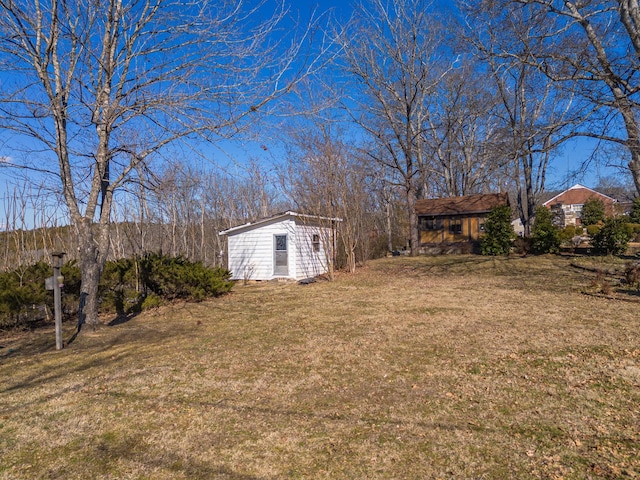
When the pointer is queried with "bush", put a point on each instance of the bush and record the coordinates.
(634, 216)
(120, 287)
(545, 235)
(522, 245)
(569, 232)
(632, 274)
(592, 211)
(24, 299)
(613, 238)
(592, 230)
(635, 229)
(151, 301)
(498, 232)
(126, 286)
(173, 278)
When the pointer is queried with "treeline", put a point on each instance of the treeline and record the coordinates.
(180, 211)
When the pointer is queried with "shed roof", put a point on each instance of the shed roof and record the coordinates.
(479, 203)
(275, 218)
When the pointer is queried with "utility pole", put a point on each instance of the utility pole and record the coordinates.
(56, 261)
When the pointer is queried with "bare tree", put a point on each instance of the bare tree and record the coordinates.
(462, 124)
(601, 42)
(324, 177)
(85, 76)
(536, 115)
(392, 49)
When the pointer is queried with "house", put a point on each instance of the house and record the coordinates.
(456, 223)
(568, 205)
(288, 245)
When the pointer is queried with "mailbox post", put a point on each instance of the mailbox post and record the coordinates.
(56, 261)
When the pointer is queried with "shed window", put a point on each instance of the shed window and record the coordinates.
(455, 225)
(315, 242)
(430, 223)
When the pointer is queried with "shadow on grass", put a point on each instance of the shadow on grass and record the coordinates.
(103, 453)
(435, 265)
(122, 318)
(48, 374)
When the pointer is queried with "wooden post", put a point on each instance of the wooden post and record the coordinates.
(56, 260)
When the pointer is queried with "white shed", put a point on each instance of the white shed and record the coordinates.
(287, 245)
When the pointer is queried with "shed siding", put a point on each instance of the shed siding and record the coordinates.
(251, 252)
(308, 262)
(470, 229)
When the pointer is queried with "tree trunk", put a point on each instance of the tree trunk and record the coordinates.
(414, 237)
(389, 233)
(91, 270)
(634, 166)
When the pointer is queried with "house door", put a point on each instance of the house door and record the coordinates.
(281, 263)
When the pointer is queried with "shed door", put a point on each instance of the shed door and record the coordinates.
(281, 263)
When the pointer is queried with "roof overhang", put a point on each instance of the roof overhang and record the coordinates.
(277, 217)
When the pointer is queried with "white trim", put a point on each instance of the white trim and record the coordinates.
(576, 187)
(276, 218)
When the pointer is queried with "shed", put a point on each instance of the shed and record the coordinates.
(288, 245)
(455, 221)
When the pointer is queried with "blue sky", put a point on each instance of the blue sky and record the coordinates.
(231, 155)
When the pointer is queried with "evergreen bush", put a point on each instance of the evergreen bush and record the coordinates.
(177, 277)
(592, 230)
(498, 232)
(126, 286)
(569, 232)
(545, 236)
(634, 216)
(613, 238)
(120, 287)
(593, 211)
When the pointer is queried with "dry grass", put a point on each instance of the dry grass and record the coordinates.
(450, 367)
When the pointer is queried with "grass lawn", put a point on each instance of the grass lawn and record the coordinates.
(447, 367)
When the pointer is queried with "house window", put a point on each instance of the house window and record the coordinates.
(430, 223)
(315, 242)
(455, 226)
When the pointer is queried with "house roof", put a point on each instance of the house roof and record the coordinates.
(275, 218)
(577, 195)
(480, 203)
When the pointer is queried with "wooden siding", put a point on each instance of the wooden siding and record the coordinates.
(470, 230)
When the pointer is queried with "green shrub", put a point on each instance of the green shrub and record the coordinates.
(592, 230)
(151, 301)
(177, 277)
(498, 232)
(635, 231)
(592, 211)
(634, 216)
(126, 286)
(613, 238)
(23, 297)
(545, 235)
(569, 232)
(120, 287)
